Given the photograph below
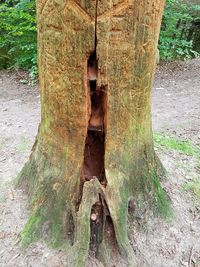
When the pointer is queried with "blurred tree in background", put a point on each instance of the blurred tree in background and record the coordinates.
(180, 32)
(18, 47)
(179, 37)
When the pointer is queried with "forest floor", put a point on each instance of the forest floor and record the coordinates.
(176, 119)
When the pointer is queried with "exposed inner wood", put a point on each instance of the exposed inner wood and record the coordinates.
(96, 122)
(93, 165)
(92, 67)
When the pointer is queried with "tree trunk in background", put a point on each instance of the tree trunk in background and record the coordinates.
(93, 160)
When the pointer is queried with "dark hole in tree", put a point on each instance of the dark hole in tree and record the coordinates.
(70, 228)
(96, 226)
(109, 232)
(131, 205)
(93, 165)
(94, 152)
(93, 85)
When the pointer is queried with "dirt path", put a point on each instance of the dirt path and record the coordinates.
(176, 112)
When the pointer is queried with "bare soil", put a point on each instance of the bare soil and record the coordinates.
(176, 112)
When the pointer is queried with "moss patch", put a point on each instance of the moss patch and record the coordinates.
(31, 231)
(57, 235)
(162, 203)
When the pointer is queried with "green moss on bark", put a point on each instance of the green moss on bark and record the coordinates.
(32, 230)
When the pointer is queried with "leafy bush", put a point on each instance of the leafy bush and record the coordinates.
(18, 47)
(177, 32)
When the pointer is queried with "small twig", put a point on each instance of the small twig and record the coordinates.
(190, 258)
(22, 77)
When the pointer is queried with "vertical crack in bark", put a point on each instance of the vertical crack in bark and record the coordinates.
(93, 165)
(101, 225)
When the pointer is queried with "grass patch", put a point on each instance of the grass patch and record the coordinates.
(184, 147)
(181, 146)
(193, 186)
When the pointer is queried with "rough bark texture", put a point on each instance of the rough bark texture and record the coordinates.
(89, 214)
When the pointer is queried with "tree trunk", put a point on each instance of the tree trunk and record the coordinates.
(93, 160)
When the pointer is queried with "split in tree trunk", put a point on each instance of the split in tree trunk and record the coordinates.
(93, 160)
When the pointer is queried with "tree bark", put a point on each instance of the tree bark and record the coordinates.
(93, 160)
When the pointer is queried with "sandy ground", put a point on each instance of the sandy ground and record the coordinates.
(176, 112)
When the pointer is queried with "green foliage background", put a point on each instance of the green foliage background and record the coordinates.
(18, 39)
(180, 30)
(18, 48)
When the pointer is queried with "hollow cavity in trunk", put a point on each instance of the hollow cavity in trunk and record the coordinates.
(93, 165)
(94, 152)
